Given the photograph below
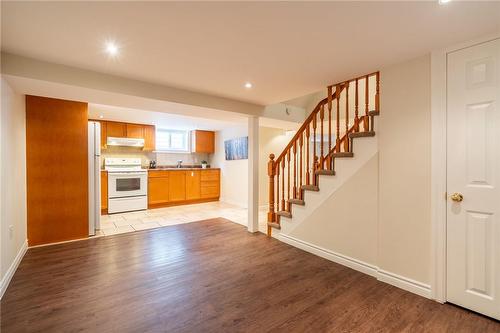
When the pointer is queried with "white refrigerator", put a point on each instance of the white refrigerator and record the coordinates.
(94, 135)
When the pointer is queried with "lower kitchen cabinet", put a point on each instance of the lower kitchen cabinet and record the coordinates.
(158, 190)
(104, 191)
(193, 182)
(179, 187)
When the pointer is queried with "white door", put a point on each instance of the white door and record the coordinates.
(473, 172)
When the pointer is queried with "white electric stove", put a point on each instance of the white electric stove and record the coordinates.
(127, 185)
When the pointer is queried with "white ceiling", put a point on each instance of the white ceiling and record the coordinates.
(160, 119)
(286, 49)
(176, 121)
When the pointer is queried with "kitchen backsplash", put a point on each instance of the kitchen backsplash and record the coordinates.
(161, 158)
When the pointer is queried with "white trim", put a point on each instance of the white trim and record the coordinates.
(341, 259)
(396, 280)
(12, 269)
(438, 164)
(405, 283)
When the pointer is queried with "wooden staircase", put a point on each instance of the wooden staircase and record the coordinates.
(315, 147)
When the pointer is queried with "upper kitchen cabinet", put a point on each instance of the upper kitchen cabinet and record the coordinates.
(203, 141)
(149, 137)
(116, 130)
(135, 131)
(104, 135)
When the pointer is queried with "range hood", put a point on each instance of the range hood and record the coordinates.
(128, 142)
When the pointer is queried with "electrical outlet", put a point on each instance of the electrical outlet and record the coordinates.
(11, 231)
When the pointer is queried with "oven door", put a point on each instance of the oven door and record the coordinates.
(124, 184)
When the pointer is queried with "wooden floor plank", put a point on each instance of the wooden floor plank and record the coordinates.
(210, 276)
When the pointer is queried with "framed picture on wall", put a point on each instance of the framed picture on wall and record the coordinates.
(236, 149)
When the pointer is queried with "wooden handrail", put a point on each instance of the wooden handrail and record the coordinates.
(310, 158)
(306, 123)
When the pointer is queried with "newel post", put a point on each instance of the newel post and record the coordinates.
(271, 171)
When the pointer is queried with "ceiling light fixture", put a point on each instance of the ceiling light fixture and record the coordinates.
(111, 48)
(101, 116)
(248, 85)
(441, 2)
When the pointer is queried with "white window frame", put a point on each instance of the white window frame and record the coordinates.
(169, 149)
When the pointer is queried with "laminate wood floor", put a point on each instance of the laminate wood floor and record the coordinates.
(210, 276)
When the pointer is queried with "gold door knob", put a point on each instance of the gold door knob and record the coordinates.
(457, 197)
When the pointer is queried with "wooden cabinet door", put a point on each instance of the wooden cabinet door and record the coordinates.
(193, 182)
(104, 135)
(158, 189)
(210, 184)
(204, 142)
(116, 130)
(104, 190)
(177, 185)
(149, 138)
(135, 131)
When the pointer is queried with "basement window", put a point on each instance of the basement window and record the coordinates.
(172, 141)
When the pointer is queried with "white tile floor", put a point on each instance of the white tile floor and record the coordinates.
(160, 217)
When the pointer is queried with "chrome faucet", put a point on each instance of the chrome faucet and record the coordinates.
(179, 164)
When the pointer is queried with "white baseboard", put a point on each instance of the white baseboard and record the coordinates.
(405, 283)
(12, 269)
(355, 264)
(396, 280)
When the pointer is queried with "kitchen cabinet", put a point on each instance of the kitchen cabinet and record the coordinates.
(158, 191)
(210, 184)
(126, 130)
(104, 135)
(177, 185)
(193, 183)
(104, 191)
(203, 141)
(135, 131)
(116, 130)
(149, 137)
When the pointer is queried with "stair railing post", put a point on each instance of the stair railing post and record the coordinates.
(271, 171)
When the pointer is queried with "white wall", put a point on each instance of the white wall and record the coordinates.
(234, 174)
(271, 140)
(13, 179)
(381, 216)
(346, 222)
(405, 169)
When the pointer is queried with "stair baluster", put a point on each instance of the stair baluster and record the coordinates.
(311, 164)
(367, 102)
(346, 141)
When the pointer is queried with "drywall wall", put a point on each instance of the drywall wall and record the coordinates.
(404, 135)
(13, 179)
(346, 222)
(162, 159)
(271, 140)
(234, 174)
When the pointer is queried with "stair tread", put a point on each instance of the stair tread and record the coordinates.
(326, 172)
(284, 213)
(374, 113)
(297, 202)
(274, 225)
(343, 154)
(310, 188)
(361, 134)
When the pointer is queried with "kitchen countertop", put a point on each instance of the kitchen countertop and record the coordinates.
(180, 169)
(175, 169)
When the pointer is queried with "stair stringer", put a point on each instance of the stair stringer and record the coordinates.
(364, 150)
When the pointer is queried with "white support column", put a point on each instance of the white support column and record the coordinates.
(253, 174)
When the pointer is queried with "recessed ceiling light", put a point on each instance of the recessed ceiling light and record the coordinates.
(111, 48)
(443, 1)
(248, 85)
(101, 116)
